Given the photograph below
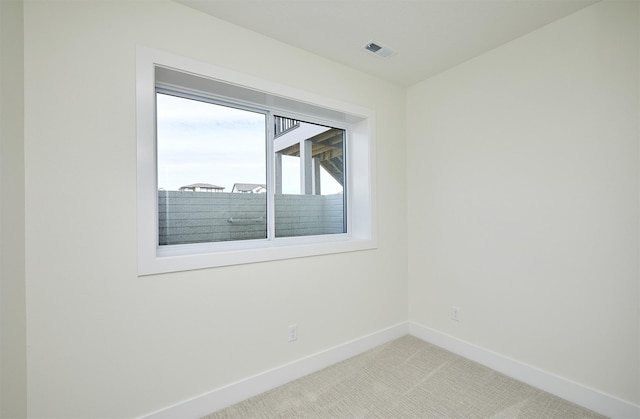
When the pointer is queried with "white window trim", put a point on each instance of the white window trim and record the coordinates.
(361, 201)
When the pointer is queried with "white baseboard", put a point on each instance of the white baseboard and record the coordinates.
(584, 396)
(241, 390)
(226, 396)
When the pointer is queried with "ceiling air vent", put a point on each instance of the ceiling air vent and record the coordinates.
(379, 49)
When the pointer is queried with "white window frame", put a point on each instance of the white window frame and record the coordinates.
(286, 101)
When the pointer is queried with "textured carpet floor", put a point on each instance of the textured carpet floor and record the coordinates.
(406, 378)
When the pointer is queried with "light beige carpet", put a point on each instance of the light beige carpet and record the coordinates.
(406, 378)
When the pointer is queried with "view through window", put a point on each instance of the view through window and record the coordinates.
(309, 178)
(212, 173)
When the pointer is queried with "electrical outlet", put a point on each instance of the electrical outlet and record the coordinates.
(455, 314)
(293, 332)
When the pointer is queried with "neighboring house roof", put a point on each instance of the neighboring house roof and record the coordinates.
(201, 186)
(248, 187)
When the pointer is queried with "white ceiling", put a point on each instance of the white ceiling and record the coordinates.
(428, 36)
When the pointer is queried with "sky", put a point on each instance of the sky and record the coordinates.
(200, 142)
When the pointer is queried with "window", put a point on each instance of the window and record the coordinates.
(202, 142)
(291, 171)
(199, 139)
(309, 178)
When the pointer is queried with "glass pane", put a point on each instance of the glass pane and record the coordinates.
(211, 172)
(309, 198)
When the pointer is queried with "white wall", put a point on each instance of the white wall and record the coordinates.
(526, 163)
(526, 159)
(12, 280)
(103, 342)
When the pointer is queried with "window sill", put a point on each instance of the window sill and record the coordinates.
(209, 255)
